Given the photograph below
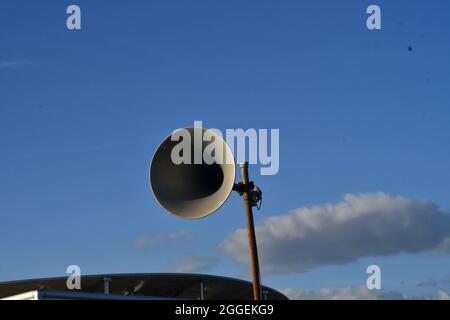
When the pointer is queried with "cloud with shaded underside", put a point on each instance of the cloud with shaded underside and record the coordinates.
(362, 225)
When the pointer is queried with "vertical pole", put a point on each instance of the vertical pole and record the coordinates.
(106, 285)
(251, 236)
(202, 290)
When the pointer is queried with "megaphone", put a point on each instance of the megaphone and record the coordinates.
(201, 183)
(194, 189)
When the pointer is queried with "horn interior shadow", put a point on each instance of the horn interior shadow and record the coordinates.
(184, 182)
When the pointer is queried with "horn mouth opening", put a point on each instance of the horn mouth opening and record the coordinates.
(191, 191)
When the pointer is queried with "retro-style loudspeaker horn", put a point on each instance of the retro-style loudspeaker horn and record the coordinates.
(199, 185)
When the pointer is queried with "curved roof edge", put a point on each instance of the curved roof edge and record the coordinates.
(166, 285)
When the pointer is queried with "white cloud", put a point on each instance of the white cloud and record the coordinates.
(195, 263)
(180, 235)
(358, 293)
(442, 295)
(147, 241)
(13, 63)
(373, 224)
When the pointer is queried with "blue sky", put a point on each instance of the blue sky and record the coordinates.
(81, 113)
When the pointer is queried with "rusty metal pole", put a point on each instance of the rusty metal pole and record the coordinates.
(254, 263)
